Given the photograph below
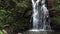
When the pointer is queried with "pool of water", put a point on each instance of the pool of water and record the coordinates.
(41, 32)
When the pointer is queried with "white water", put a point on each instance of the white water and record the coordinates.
(40, 16)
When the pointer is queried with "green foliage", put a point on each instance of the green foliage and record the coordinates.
(57, 5)
(57, 20)
(57, 12)
(1, 32)
(4, 18)
(15, 13)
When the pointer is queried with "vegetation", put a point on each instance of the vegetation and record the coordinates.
(1, 32)
(57, 12)
(15, 14)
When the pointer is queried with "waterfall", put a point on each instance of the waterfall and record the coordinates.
(41, 20)
(35, 14)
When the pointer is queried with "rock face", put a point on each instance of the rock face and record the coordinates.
(51, 7)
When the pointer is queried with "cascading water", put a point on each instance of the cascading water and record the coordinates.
(41, 21)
